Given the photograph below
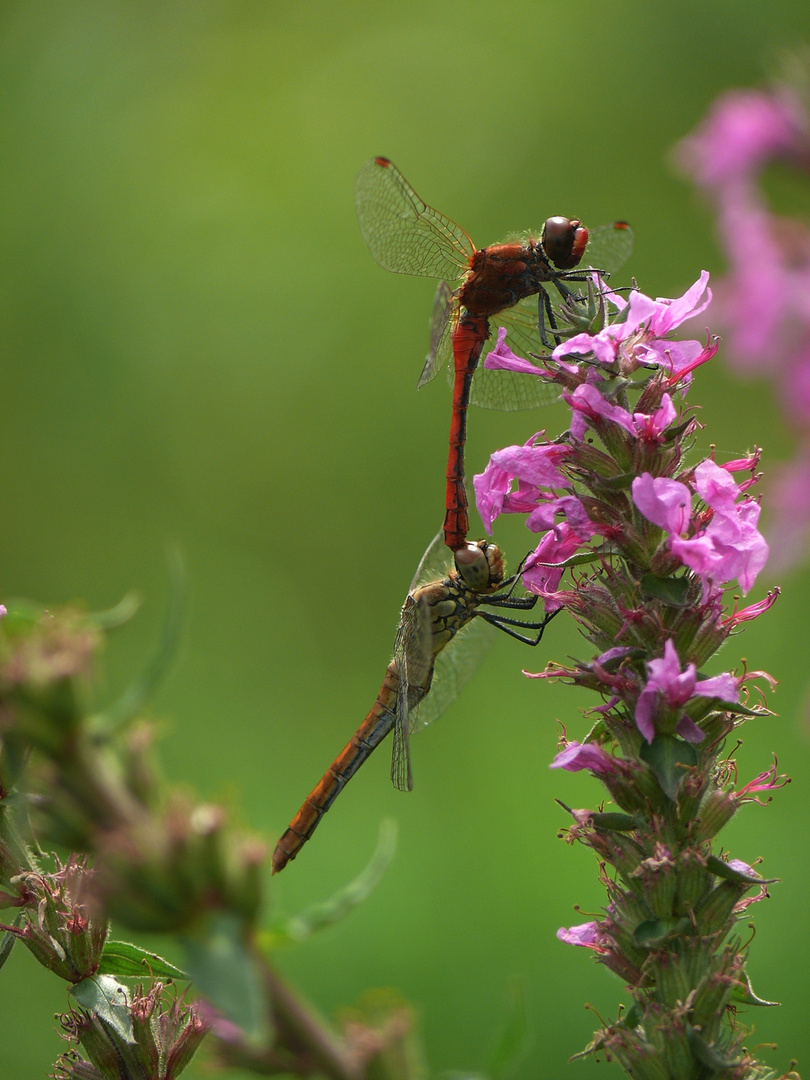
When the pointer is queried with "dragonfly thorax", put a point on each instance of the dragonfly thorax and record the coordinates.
(480, 566)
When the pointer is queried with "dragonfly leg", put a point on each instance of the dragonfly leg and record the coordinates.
(507, 625)
(507, 600)
(546, 311)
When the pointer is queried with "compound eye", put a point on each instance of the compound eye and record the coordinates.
(473, 565)
(564, 241)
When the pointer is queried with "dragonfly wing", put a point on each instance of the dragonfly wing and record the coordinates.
(403, 233)
(511, 391)
(433, 566)
(609, 247)
(440, 322)
(401, 776)
(455, 666)
(413, 656)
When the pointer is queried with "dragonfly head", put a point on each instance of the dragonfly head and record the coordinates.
(480, 566)
(564, 241)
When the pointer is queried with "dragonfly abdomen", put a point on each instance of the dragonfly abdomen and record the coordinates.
(377, 724)
(469, 337)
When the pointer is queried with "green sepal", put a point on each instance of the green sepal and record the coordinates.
(654, 932)
(110, 619)
(668, 758)
(596, 1043)
(131, 702)
(707, 1054)
(620, 482)
(125, 960)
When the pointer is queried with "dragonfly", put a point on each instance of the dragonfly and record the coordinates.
(422, 678)
(406, 236)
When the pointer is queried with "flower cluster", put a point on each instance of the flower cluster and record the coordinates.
(149, 1032)
(638, 545)
(762, 306)
(60, 922)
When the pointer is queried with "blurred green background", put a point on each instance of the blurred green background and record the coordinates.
(199, 349)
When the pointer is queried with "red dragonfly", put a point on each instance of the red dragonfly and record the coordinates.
(422, 679)
(406, 236)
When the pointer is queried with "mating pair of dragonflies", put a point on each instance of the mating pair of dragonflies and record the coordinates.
(406, 236)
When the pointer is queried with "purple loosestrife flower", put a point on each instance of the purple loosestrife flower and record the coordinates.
(638, 544)
(668, 689)
(763, 309)
(730, 546)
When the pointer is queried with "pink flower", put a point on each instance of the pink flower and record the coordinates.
(534, 467)
(640, 338)
(588, 400)
(501, 358)
(660, 316)
(577, 756)
(588, 935)
(743, 129)
(666, 503)
(544, 567)
(672, 688)
(730, 546)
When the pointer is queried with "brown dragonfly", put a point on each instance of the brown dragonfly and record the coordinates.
(424, 676)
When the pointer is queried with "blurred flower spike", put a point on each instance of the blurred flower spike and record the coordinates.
(762, 309)
(638, 544)
(61, 925)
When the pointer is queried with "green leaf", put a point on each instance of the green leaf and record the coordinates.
(108, 999)
(614, 822)
(722, 869)
(141, 689)
(126, 960)
(746, 996)
(668, 757)
(514, 1040)
(338, 906)
(7, 943)
(672, 590)
(113, 617)
(223, 970)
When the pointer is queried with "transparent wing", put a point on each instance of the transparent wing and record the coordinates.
(609, 247)
(403, 233)
(434, 564)
(413, 655)
(441, 321)
(454, 667)
(511, 390)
